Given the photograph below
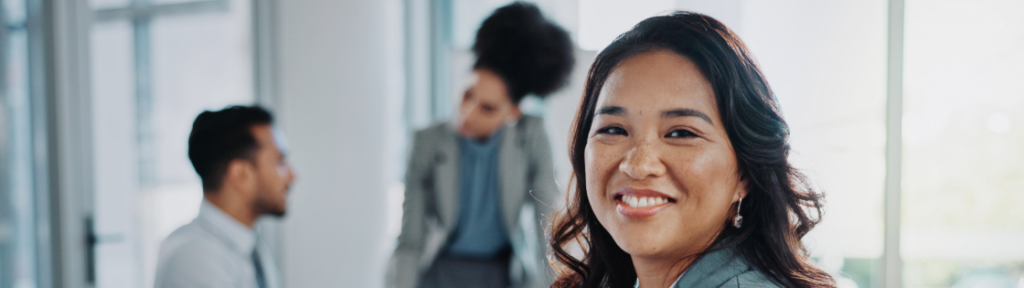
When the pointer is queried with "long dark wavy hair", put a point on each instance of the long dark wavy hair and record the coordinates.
(780, 207)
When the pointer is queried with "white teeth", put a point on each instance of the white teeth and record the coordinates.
(634, 201)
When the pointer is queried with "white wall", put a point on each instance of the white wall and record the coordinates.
(340, 74)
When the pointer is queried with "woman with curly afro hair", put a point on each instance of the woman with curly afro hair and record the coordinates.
(469, 180)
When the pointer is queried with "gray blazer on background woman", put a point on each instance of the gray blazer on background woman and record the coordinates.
(431, 208)
(478, 187)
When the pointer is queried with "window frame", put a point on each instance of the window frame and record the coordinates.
(59, 45)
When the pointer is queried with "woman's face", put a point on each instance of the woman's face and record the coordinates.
(661, 174)
(485, 106)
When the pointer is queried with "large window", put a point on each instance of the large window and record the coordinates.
(155, 66)
(963, 188)
(826, 62)
(23, 200)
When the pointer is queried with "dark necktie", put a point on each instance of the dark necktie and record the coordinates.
(260, 281)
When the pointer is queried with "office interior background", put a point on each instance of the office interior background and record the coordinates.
(908, 114)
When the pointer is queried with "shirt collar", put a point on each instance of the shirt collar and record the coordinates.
(487, 145)
(711, 269)
(714, 268)
(236, 235)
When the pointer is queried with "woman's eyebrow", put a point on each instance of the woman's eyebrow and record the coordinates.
(686, 112)
(611, 110)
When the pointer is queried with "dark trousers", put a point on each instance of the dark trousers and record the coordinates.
(466, 272)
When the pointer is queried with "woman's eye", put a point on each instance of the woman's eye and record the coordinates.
(613, 130)
(680, 133)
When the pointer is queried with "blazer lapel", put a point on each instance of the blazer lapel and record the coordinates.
(512, 177)
(448, 179)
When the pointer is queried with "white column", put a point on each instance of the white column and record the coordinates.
(340, 75)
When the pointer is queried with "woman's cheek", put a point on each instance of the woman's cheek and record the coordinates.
(590, 170)
(597, 161)
(715, 164)
(696, 163)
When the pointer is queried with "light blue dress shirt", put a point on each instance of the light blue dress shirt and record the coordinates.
(480, 233)
(214, 250)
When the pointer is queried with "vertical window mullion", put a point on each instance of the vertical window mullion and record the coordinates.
(892, 263)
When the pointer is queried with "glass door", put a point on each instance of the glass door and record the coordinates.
(155, 66)
(22, 201)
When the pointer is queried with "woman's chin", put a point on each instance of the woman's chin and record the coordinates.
(640, 246)
(649, 242)
(643, 250)
(465, 131)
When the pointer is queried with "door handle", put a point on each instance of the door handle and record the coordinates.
(91, 241)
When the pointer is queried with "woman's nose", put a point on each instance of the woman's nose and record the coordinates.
(642, 161)
(467, 110)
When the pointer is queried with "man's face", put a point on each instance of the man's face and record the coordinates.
(273, 173)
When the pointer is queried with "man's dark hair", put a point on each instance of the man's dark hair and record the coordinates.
(531, 54)
(222, 136)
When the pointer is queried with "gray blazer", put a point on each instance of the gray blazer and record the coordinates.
(431, 208)
(723, 269)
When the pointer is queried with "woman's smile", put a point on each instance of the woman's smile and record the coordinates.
(635, 203)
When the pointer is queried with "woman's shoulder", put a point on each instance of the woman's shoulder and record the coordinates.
(724, 268)
(531, 120)
(530, 128)
(437, 129)
(437, 133)
(431, 144)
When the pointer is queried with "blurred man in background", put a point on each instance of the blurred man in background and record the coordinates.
(240, 158)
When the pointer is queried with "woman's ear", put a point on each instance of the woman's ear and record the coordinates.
(741, 189)
(516, 112)
(514, 115)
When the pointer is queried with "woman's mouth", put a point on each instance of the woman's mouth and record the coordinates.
(641, 203)
(637, 202)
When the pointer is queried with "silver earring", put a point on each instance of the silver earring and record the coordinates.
(738, 220)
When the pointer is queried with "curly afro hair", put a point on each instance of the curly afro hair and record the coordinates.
(531, 54)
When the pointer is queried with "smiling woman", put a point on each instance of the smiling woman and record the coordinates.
(677, 126)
